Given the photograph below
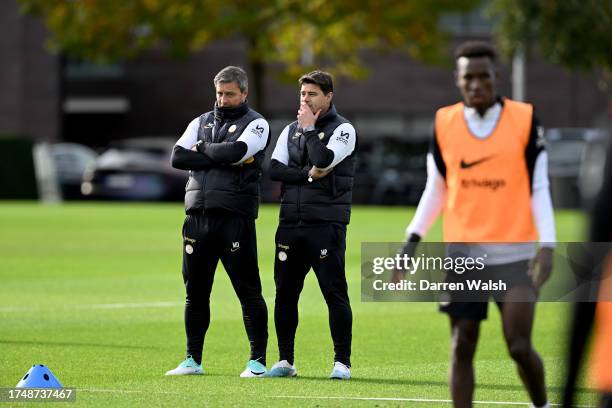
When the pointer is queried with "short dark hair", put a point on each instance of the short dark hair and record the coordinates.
(475, 49)
(233, 74)
(323, 79)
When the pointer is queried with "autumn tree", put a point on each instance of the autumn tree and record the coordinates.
(571, 33)
(296, 35)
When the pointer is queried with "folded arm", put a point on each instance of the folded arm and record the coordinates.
(286, 174)
(253, 139)
(183, 157)
(279, 165)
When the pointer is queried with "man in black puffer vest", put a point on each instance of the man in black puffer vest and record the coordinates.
(223, 151)
(314, 159)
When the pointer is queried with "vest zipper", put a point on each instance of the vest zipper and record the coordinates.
(298, 202)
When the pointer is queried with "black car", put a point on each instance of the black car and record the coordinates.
(136, 169)
(390, 171)
(71, 161)
(576, 158)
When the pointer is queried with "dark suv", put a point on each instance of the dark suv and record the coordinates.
(576, 158)
(390, 171)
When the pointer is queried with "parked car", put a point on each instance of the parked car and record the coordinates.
(576, 158)
(136, 169)
(390, 171)
(71, 161)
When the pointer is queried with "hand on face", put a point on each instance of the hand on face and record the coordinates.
(305, 116)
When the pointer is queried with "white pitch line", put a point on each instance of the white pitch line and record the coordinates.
(126, 391)
(102, 306)
(130, 305)
(415, 400)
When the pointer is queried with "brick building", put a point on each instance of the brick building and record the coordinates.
(47, 97)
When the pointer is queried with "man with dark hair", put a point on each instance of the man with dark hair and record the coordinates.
(314, 159)
(224, 151)
(475, 49)
(487, 173)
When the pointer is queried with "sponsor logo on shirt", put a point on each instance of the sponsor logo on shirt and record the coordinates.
(258, 130)
(492, 184)
(541, 140)
(343, 137)
(467, 165)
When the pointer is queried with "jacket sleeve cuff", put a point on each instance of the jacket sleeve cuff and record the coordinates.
(201, 146)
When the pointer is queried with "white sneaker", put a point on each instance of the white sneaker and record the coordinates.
(340, 372)
(254, 369)
(282, 369)
(187, 367)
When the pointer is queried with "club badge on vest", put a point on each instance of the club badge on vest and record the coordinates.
(282, 255)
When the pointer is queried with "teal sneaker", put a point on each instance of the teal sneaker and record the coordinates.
(340, 372)
(187, 367)
(253, 369)
(282, 369)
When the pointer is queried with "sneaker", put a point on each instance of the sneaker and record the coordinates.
(253, 369)
(187, 367)
(282, 369)
(340, 372)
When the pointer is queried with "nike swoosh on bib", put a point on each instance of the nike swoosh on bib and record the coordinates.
(467, 165)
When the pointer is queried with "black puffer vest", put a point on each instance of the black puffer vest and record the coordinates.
(230, 188)
(327, 199)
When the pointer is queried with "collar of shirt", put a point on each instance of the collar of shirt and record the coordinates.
(482, 126)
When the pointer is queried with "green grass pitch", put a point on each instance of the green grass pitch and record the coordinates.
(94, 291)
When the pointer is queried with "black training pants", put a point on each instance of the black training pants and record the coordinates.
(322, 247)
(231, 238)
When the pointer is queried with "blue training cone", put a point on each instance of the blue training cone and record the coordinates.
(39, 376)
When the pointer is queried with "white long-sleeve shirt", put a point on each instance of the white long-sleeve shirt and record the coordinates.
(434, 196)
(341, 143)
(255, 136)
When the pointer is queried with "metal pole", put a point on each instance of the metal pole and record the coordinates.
(518, 74)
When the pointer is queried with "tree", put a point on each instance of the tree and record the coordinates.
(571, 33)
(296, 35)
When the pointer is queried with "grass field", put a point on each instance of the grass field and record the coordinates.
(94, 291)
